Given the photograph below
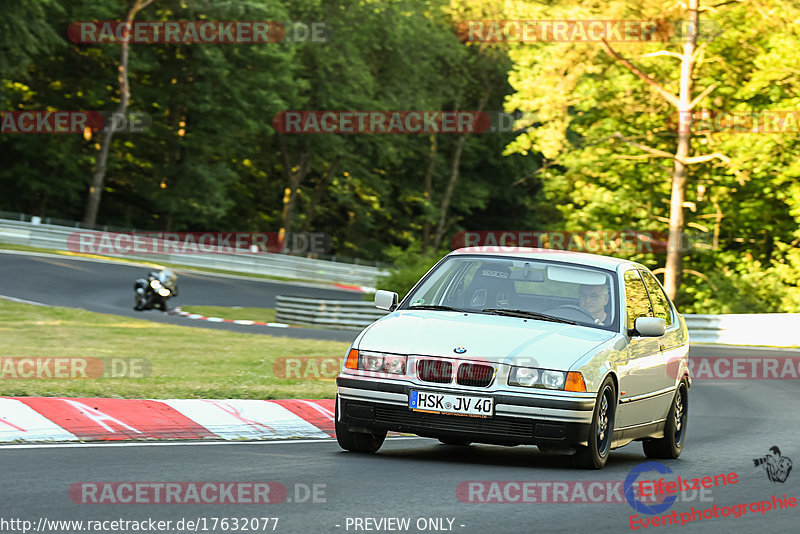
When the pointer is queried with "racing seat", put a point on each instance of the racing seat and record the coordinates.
(491, 287)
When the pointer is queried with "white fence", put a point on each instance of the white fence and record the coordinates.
(328, 313)
(772, 329)
(281, 265)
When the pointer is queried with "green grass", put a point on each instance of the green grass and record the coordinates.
(264, 315)
(185, 362)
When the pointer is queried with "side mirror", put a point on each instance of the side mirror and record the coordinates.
(386, 300)
(650, 326)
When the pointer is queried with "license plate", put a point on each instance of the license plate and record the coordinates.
(446, 403)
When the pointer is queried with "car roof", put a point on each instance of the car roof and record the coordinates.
(566, 256)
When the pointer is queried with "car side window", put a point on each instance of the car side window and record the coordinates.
(657, 297)
(637, 301)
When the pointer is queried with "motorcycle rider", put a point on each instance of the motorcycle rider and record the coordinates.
(150, 294)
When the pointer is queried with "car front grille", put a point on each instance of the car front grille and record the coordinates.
(438, 371)
(396, 416)
(472, 374)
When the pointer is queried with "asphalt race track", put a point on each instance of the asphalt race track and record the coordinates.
(107, 287)
(731, 423)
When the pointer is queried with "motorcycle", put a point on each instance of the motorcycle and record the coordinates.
(153, 292)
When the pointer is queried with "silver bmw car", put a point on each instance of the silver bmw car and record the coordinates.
(575, 353)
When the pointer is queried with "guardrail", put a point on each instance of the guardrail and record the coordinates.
(329, 313)
(772, 329)
(281, 265)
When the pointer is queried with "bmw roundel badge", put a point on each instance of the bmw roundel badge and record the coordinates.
(459, 350)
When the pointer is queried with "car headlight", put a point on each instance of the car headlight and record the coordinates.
(164, 292)
(536, 378)
(377, 362)
(155, 284)
(526, 376)
(553, 379)
(372, 362)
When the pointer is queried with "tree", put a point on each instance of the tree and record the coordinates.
(96, 188)
(685, 102)
(582, 67)
(25, 34)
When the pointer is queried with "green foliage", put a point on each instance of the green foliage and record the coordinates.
(410, 265)
(595, 181)
(738, 283)
(25, 35)
(213, 161)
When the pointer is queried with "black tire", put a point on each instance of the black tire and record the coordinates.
(455, 442)
(357, 441)
(670, 446)
(595, 455)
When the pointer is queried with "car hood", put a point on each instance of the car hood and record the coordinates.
(492, 338)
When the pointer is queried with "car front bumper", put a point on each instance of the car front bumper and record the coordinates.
(556, 422)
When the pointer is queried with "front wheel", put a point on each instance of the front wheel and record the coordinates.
(670, 446)
(356, 441)
(595, 455)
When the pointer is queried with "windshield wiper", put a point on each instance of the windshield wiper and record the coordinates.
(528, 315)
(440, 307)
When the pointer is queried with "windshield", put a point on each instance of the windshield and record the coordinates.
(522, 287)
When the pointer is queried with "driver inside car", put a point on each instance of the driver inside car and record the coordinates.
(593, 299)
